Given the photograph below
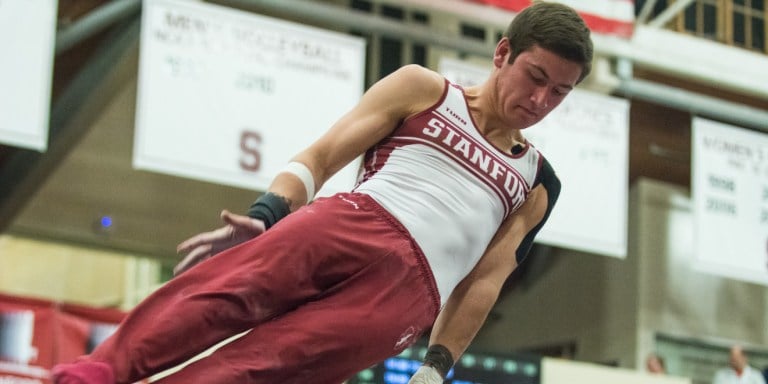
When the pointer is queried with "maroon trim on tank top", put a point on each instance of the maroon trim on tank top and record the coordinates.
(431, 107)
(502, 178)
(477, 142)
(479, 174)
(376, 157)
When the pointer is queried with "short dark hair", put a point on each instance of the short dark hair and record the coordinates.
(554, 27)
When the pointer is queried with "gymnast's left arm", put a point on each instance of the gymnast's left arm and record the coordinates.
(380, 110)
(468, 306)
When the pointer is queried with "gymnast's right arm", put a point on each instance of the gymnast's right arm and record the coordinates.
(381, 109)
(468, 305)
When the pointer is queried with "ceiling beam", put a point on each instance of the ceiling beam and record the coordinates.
(94, 22)
(645, 13)
(672, 10)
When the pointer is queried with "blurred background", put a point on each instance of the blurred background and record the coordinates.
(126, 126)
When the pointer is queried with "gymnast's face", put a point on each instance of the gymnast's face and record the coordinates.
(533, 84)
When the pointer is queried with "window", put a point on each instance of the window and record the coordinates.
(748, 24)
(739, 23)
(703, 18)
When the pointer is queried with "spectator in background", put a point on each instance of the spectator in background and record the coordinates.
(739, 371)
(655, 364)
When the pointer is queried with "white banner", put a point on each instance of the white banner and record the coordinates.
(730, 192)
(27, 35)
(586, 139)
(229, 97)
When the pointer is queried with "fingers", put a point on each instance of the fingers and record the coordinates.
(204, 238)
(227, 216)
(237, 229)
(241, 221)
(199, 247)
(197, 255)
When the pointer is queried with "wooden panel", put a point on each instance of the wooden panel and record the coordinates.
(659, 143)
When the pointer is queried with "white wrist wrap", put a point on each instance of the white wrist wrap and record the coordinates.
(426, 375)
(304, 174)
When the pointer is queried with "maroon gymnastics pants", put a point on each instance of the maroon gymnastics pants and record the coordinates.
(330, 290)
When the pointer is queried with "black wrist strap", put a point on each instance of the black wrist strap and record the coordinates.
(269, 208)
(440, 358)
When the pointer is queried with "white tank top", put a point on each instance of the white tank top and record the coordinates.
(448, 185)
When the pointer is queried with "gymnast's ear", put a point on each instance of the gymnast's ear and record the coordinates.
(502, 52)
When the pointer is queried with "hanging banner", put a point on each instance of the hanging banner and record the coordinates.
(586, 139)
(230, 97)
(729, 177)
(27, 35)
(37, 334)
(27, 340)
(607, 17)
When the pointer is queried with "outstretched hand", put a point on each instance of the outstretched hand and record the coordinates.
(237, 229)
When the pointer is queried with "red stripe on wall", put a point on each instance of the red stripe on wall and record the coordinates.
(597, 24)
